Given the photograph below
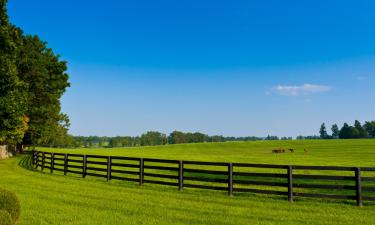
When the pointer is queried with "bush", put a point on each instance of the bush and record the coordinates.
(5, 218)
(9, 203)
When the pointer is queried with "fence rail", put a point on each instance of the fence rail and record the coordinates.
(291, 181)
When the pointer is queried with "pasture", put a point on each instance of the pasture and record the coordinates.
(319, 152)
(57, 199)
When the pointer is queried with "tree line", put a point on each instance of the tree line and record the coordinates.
(32, 81)
(367, 130)
(150, 138)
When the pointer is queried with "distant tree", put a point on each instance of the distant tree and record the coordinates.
(153, 138)
(362, 133)
(370, 128)
(217, 138)
(177, 137)
(348, 132)
(115, 142)
(272, 138)
(323, 132)
(335, 131)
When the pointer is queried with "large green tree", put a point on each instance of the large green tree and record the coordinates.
(46, 81)
(13, 119)
(32, 81)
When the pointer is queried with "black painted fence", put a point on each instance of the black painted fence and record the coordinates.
(231, 177)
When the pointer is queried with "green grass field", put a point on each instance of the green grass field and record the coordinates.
(57, 199)
(320, 152)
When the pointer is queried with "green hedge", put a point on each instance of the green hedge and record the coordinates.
(9, 203)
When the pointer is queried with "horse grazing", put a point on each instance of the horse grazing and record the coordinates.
(305, 150)
(291, 150)
(278, 151)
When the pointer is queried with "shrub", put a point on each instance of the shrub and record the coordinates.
(9, 203)
(5, 218)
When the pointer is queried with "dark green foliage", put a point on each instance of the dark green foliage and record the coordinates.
(45, 75)
(323, 132)
(362, 133)
(32, 81)
(153, 138)
(370, 128)
(178, 137)
(335, 131)
(348, 132)
(13, 121)
(5, 218)
(271, 138)
(9, 202)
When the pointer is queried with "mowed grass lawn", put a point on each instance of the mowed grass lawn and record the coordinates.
(57, 199)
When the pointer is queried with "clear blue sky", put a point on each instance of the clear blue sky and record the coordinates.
(219, 67)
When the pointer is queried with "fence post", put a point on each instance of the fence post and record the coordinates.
(84, 166)
(141, 171)
(109, 168)
(358, 185)
(43, 160)
(34, 158)
(180, 175)
(290, 183)
(230, 179)
(52, 162)
(65, 164)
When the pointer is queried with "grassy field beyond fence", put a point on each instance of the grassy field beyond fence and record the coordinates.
(57, 199)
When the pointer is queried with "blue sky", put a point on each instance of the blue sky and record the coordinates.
(220, 67)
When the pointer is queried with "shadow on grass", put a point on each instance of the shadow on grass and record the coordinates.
(26, 162)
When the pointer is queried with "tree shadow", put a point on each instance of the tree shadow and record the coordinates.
(26, 162)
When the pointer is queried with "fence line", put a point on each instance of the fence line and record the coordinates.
(230, 178)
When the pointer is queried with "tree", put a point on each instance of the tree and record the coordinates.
(370, 128)
(13, 121)
(177, 137)
(153, 138)
(323, 131)
(32, 81)
(362, 133)
(46, 81)
(335, 131)
(348, 132)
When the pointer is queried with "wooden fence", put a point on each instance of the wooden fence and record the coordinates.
(289, 180)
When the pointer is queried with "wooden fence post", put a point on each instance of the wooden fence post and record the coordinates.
(109, 168)
(358, 185)
(34, 158)
(290, 183)
(141, 171)
(52, 162)
(230, 179)
(65, 164)
(180, 175)
(84, 166)
(43, 160)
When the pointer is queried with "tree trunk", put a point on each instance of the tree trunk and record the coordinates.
(20, 148)
(4, 154)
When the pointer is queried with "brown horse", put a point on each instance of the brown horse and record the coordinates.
(278, 151)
